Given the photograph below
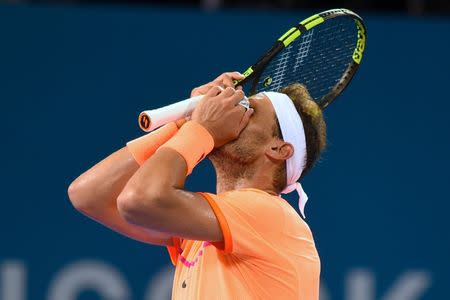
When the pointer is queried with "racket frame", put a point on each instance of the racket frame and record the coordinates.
(253, 73)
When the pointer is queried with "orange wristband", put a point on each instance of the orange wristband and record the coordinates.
(193, 142)
(142, 148)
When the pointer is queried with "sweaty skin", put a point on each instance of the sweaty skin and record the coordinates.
(149, 203)
(249, 161)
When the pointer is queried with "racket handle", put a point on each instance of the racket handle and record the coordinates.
(152, 119)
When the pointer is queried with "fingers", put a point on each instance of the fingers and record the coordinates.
(228, 82)
(229, 92)
(214, 91)
(229, 97)
(245, 119)
(201, 90)
(225, 80)
(180, 122)
(230, 76)
(236, 97)
(218, 92)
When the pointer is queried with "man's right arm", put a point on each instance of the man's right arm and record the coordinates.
(95, 192)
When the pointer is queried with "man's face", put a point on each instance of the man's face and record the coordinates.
(253, 140)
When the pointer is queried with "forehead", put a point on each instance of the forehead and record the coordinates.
(263, 108)
(262, 103)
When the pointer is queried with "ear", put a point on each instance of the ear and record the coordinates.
(279, 150)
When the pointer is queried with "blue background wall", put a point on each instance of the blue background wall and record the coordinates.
(72, 82)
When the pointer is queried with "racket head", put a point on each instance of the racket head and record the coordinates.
(323, 52)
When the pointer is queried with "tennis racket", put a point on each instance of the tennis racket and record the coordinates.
(322, 52)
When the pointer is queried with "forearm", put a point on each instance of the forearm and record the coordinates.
(100, 185)
(157, 186)
(153, 188)
(163, 175)
(95, 192)
(155, 199)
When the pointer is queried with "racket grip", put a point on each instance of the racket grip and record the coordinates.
(152, 119)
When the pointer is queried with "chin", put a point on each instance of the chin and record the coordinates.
(239, 151)
(222, 154)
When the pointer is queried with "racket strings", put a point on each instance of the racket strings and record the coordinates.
(317, 59)
(336, 43)
(303, 50)
(279, 70)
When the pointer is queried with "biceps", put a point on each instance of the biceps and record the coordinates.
(190, 218)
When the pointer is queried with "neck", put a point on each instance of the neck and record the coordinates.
(234, 176)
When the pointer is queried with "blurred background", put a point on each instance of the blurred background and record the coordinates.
(75, 74)
(412, 7)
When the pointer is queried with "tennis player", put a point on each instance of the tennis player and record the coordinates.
(245, 241)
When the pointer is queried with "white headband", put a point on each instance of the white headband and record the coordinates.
(292, 130)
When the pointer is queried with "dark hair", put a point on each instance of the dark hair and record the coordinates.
(313, 124)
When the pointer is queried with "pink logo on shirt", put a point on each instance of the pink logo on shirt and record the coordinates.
(190, 264)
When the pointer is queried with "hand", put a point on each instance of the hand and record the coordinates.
(181, 122)
(220, 113)
(225, 80)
